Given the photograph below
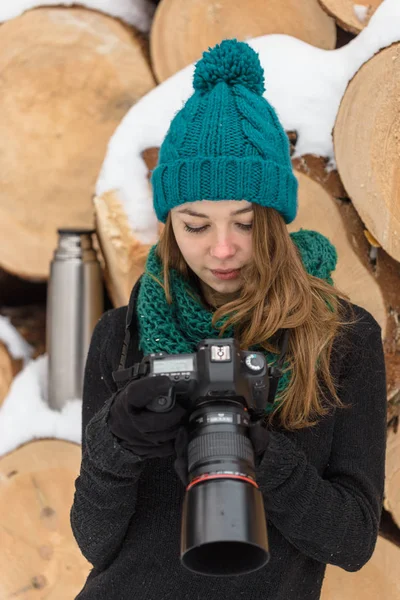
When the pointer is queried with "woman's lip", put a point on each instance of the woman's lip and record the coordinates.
(229, 271)
(234, 274)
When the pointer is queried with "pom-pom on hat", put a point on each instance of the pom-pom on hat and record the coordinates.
(232, 62)
(227, 142)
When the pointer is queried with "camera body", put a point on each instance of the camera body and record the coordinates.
(223, 389)
(219, 370)
(224, 528)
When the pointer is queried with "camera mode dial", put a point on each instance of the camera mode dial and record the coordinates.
(254, 362)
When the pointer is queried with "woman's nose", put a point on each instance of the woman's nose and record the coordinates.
(223, 250)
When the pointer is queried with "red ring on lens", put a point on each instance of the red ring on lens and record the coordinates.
(220, 476)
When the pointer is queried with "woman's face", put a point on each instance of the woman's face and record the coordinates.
(221, 240)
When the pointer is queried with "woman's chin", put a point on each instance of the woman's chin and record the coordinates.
(224, 284)
(220, 292)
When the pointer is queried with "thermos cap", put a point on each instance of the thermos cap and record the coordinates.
(75, 243)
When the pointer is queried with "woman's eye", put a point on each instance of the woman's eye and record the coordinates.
(243, 226)
(195, 230)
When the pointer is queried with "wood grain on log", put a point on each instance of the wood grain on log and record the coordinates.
(319, 211)
(69, 75)
(123, 257)
(343, 11)
(183, 29)
(38, 550)
(366, 139)
(392, 480)
(377, 580)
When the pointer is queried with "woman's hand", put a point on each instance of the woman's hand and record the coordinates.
(259, 437)
(146, 433)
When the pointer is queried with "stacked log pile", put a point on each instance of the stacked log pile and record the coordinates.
(69, 77)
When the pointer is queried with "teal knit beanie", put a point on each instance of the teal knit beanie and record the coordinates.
(226, 143)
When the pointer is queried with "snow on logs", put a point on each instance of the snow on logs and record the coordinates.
(366, 139)
(69, 75)
(22, 336)
(138, 13)
(182, 29)
(122, 255)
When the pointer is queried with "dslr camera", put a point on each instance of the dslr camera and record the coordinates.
(223, 388)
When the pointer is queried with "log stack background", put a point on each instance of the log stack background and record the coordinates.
(68, 77)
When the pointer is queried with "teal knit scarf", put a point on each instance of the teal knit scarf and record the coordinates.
(178, 328)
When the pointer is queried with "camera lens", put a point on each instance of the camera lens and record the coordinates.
(218, 441)
(223, 522)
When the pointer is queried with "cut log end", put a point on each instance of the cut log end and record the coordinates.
(377, 579)
(124, 256)
(366, 139)
(37, 481)
(52, 156)
(182, 31)
(350, 15)
(320, 212)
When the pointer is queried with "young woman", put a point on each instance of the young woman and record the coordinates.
(226, 266)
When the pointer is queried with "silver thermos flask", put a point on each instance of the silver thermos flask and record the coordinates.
(74, 305)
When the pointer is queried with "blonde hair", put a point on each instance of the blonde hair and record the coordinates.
(278, 293)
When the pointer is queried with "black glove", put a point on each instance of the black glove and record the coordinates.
(258, 434)
(181, 451)
(145, 433)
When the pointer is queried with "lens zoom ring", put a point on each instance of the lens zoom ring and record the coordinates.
(213, 445)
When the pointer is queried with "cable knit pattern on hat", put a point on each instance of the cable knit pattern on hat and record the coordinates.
(226, 142)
